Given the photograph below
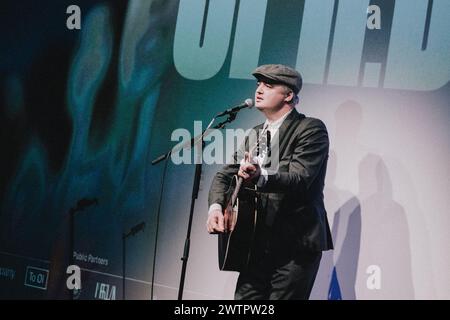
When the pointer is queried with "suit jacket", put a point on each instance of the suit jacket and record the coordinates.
(291, 209)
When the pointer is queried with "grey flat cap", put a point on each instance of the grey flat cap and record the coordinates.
(278, 73)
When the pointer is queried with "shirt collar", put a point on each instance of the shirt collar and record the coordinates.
(275, 125)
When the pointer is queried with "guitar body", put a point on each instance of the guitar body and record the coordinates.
(234, 244)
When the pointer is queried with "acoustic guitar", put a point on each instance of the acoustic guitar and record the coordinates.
(240, 217)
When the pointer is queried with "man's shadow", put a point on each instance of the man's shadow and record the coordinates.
(385, 242)
(369, 230)
(337, 273)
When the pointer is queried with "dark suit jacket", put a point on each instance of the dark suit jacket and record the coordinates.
(294, 217)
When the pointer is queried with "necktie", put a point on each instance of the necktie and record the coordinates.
(268, 142)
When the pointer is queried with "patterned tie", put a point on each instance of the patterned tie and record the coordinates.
(264, 146)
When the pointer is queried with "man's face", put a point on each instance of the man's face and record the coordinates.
(270, 96)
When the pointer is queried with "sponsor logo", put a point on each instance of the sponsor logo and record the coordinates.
(80, 256)
(104, 291)
(36, 278)
(7, 273)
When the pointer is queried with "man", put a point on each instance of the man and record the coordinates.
(292, 228)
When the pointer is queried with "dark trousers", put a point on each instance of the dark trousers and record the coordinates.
(279, 278)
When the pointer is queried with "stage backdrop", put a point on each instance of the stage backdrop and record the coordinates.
(88, 103)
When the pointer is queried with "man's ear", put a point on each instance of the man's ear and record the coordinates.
(289, 97)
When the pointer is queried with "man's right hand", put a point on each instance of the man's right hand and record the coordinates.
(214, 223)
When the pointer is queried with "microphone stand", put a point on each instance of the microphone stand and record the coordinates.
(125, 236)
(198, 172)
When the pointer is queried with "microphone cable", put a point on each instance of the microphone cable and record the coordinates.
(166, 162)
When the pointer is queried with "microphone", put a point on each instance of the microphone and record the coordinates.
(134, 230)
(248, 103)
(137, 228)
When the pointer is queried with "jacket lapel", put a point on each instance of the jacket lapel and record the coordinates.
(287, 128)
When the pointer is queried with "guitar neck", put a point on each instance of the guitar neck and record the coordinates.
(240, 179)
(236, 190)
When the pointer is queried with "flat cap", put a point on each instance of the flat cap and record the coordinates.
(279, 73)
